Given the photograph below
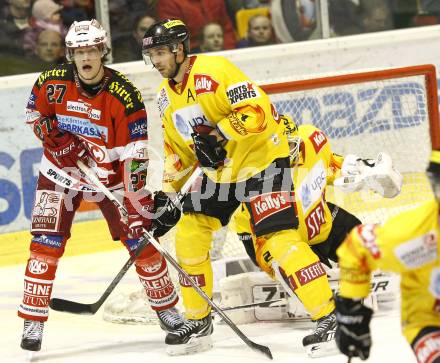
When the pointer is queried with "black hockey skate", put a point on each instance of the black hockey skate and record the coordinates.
(170, 319)
(194, 336)
(32, 335)
(322, 341)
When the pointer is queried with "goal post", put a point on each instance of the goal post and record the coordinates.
(363, 113)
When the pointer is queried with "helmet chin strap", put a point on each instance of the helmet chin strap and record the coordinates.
(178, 65)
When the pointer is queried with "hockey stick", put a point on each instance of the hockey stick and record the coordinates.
(149, 238)
(73, 307)
(261, 304)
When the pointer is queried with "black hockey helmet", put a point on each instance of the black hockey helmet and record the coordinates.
(168, 32)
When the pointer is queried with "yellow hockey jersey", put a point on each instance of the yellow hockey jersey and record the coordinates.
(216, 94)
(317, 166)
(406, 244)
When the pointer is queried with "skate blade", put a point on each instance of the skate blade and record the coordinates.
(323, 349)
(194, 345)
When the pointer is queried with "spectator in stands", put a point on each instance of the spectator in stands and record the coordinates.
(121, 18)
(403, 12)
(211, 38)
(375, 15)
(348, 18)
(195, 14)
(233, 6)
(122, 13)
(129, 47)
(49, 50)
(45, 15)
(259, 32)
(143, 6)
(76, 10)
(14, 20)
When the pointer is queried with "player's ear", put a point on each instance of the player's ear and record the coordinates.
(180, 48)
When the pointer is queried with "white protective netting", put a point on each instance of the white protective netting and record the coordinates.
(363, 114)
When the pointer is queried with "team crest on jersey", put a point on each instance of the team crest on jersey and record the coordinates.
(97, 153)
(190, 118)
(242, 91)
(162, 101)
(204, 83)
(318, 140)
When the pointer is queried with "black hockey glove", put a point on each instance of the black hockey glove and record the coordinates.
(166, 214)
(353, 331)
(209, 151)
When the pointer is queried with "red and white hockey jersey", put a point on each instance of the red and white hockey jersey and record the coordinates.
(112, 124)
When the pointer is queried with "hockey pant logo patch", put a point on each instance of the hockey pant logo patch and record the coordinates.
(199, 280)
(266, 205)
(46, 212)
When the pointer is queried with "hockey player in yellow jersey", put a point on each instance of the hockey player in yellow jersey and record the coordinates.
(214, 114)
(322, 225)
(406, 244)
(314, 166)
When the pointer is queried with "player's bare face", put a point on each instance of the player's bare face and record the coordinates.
(163, 60)
(88, 61)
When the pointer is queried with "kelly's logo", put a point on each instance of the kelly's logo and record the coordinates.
(204, 84)
(265, 205)
(318, 140)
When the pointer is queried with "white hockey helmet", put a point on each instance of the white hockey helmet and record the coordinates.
(85, 33)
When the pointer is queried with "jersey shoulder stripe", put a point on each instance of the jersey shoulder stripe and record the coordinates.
(125, 91)
(62, 72)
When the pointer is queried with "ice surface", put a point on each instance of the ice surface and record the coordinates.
(74, 338)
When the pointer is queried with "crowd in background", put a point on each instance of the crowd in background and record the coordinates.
(32, 31)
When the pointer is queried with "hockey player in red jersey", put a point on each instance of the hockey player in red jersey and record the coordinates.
(83, 110)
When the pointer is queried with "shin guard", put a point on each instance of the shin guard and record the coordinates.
(153, 273)
(38, 281)
(300, 270)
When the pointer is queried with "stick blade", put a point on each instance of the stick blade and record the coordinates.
(262, 349)
(72, 307)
